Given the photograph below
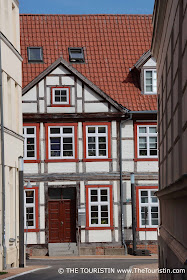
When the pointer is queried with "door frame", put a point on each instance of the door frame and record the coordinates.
(47, 200)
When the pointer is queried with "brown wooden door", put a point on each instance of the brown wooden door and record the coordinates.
(62, 221)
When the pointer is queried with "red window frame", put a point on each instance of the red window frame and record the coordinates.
(75, 141)
(85, 159)
(36, 229)
(136, 158)
(37, 160)
(138, 208)
(88, 227)
(60, 105)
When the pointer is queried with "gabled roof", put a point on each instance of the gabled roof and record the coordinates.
(112, 44)
(69, 67)
(143, 59)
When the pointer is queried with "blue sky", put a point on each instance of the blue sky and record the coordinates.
(86, 6)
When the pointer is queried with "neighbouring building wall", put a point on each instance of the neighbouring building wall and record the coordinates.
(13, 141)
(169, 49)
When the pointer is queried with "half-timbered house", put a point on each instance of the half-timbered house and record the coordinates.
(89, 113)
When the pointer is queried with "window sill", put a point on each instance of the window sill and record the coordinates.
(146, 229)
(32, 161)
(145, 159)
(96, 159)
(99, 228)
(60, 105)
(61, 160)
(32, 230)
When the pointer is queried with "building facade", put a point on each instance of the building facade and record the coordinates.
(11, 131)
(169, 49)
(89, 122)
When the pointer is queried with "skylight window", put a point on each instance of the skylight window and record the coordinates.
(76, 54)
(35, 54)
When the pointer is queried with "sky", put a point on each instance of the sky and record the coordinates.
(86, 6)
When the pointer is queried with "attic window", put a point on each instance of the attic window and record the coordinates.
(76, 54)
(35, 54)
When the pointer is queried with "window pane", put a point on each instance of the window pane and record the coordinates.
(30, 140)
(55, 130)
(149, 88)
(102, 153)
(94, 221)
(30, 130)
(29, 196)
(57, 93)
(142, 129)
(67, 140)
(102, 139)
(91, 129)
(63, 92)
(35, 54)
(152, 130)
(67, 130)
(154, 199)
(148, 74)
(104, 221)
(55, 146)
(144, 197)
(101, 129)
(91, 139)
(92, 153)
(30, 154)
(94, 195)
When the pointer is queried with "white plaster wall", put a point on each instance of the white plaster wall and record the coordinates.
(79, 89)
(60, 70)
(98, 183)
(52, 81)
(115, 165)
(116, 235)
(128, 166)
(127, 210)
(150, 235)
(151, 62)
(41, 88)
(60, 110)
(30, 95)
(115, 191)
(114, 148)
(41, 189)
(82, 192)
(29, 107)
(97, 166)
(82, 236)
(100, 236)
(30, 167)
(41, 106)
(115, 215)
(96, 107)
(90, 95)
(147, 166)
(48, 97)
(61, 167)
(127, 149)
(127, 129)
(79, 106)
(62, 183)
(68, 81)
(42, 237)
(148, 182)
(113, 129)
(31, 237)
(42, 217)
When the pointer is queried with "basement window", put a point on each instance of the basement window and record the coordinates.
(35, 54)
(76, 55)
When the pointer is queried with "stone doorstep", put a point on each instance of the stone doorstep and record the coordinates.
(18, 270)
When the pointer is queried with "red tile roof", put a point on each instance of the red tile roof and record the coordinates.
(112, 44)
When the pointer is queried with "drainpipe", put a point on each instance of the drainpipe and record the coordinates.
(121, 184)
(133, 215)
(3, 166)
